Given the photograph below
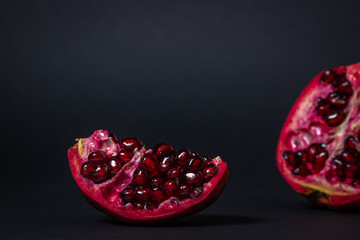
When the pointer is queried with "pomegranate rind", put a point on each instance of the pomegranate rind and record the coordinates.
(317, 190)
(105, 196)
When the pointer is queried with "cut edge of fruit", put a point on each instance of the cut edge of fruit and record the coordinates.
(324, 188)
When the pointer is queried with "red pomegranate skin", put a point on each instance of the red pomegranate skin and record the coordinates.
(104, 196)
(326, 183)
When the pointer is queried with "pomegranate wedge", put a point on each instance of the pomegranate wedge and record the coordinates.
(318, 149)
(134, 185)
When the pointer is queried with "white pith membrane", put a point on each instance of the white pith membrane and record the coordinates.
(304, 127)
(107, 194)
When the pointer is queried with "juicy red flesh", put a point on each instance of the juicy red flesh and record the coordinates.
(165, 173)
(331, 109)
(161, 174)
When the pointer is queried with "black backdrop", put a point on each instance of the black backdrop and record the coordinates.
(218, 78)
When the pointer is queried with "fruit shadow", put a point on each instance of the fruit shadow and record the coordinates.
(197, 221)
(324, 209)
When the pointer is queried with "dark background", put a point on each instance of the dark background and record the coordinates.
(218, 78)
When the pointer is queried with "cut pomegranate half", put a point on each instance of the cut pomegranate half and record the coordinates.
(134, 185)
(318, 149)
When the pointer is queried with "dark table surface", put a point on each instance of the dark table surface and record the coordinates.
(56, 212)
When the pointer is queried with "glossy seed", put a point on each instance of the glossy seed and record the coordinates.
(162, 150)
(100, 172)
(97, 156)
(319, 161)
(290, 159)
(328, 76)
(344, 87)
(335, 119)
(131, 143)
(301, 171)
(193, 178)
(350, 142)
(125, 156)
(87, 169)
(337, 100)
(128, 195)
(114, 166)
(140, 178)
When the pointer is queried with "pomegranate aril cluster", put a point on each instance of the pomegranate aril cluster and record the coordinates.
(101, 167)
(331, 109)
(307, 161)
(345, 167)
(165, 173)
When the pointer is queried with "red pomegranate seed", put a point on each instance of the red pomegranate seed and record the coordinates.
(290, 159)
(125, 156)
(349, 156)
(157, 195)
(128, 195)
(114, 138)
(328, 76)
(323, 108)
(183, 157)
(114, 166)
(138, 206)
(97, 156)
(311, 151)
(193, 178)
(340, 77)
(209, 172)
(350, 142)
(166, 163)
(301, 157)
(337, 100)
(185, 191)
(335, 119)
(351, 170)
(100, 172)
(149, 164)
(319, 161)
(301, 171)
(162, 150)
(140, 178)
(156, 182)
(130, 143)
(87, 169)
(339, 168)
(207, 160)
(196, 193)
(150, 206)
(143, 194)
(344, 87)
(175, 172)
(170, 187)
(196, 163)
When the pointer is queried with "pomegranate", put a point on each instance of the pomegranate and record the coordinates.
(318, 149)
(135, 185)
